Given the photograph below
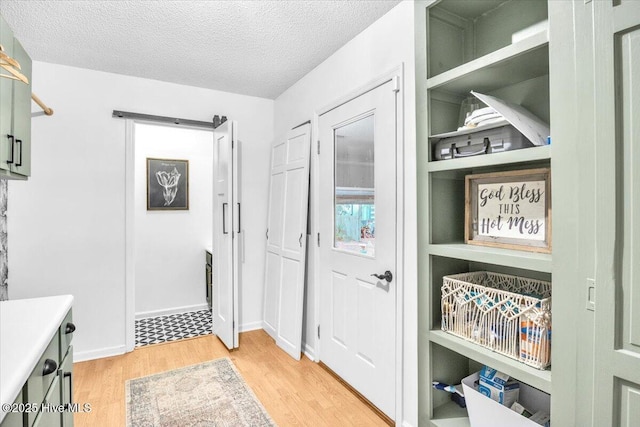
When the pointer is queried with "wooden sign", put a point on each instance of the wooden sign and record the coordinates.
(509, 209)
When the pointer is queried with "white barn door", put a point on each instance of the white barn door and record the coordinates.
(226, 211)
(287, 240)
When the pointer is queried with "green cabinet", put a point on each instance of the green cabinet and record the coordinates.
(14, 419)
(47, 395)
(15, 112)
(597, 57)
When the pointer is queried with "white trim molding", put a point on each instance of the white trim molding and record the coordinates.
(82, 356)
(250, 326)
(310, 353)
(170, 311)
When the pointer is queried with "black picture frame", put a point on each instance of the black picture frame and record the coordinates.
(167, 184)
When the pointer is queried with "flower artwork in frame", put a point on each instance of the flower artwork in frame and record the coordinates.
(167, 184)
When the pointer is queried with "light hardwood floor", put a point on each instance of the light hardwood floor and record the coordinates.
(293, 393)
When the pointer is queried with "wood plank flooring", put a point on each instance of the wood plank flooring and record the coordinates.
(293, 393)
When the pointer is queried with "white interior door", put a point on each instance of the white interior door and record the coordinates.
(358, 239)
(286, 240)
(225, 247)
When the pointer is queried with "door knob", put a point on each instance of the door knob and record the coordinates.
(386, 276)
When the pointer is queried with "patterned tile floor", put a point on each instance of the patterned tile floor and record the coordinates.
(155, 330)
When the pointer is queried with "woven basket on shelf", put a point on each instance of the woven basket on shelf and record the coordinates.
(508, 314)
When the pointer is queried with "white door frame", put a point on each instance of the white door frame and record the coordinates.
(129, 226)
(396, 74)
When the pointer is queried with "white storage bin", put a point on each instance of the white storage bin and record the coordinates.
(485, 412)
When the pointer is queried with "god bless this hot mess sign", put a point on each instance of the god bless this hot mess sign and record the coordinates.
(509, 209)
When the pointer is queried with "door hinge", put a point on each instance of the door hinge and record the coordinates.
(396, 83)
(318, 331)
(318, 239)
(318, 145)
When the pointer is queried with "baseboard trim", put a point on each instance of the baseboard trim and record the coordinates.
(309, 352)
(170, 311)
(83, 356)
(406, 424)
(364, 400)
(251, 326)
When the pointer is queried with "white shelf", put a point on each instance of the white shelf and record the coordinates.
(450, 415)
(485, 254)
(534, 377)
(508, 157)
(515, 63)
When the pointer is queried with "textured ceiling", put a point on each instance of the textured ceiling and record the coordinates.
(257, 48)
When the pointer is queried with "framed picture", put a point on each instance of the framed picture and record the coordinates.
(167, 184)
(509, 209)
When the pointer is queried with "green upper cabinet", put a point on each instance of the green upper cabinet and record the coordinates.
(15, 112)
(6, 99)
(22, 114)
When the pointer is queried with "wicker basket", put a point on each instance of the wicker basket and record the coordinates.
(508, 314)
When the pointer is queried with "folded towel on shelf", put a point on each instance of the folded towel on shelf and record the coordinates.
(481, 117)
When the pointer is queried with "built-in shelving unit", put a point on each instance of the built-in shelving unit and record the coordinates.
(499, 48)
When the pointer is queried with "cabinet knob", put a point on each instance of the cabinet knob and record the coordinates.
(50, 367)
(70, 328)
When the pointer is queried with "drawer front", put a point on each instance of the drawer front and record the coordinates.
(14, 419)
(67, 329)
(50, 415)
(38, 382)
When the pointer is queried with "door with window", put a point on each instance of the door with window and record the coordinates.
(358, 210)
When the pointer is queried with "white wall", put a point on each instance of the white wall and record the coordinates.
(169, 244)
(67, 223)
(383, 46)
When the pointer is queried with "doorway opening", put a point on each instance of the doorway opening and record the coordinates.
(169, 188)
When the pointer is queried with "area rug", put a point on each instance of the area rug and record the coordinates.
(209, 394)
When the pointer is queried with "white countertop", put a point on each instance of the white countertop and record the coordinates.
(26, 328)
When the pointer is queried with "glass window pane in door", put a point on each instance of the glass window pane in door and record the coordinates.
(354, 198)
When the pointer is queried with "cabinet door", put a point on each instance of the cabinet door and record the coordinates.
(14, 419)
(22, 114)
(6, 99)
(617, 100)
(66, 387)
(49, 415)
